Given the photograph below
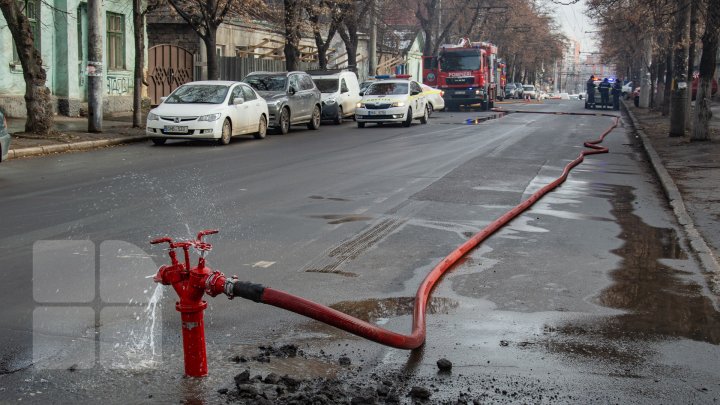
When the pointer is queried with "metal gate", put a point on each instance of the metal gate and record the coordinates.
(170, 66)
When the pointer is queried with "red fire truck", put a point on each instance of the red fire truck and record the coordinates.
(469, 74)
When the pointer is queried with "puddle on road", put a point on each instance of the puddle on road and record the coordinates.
(378, 310)
(334, 219)
(660, 301)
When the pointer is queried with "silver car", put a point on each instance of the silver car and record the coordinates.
(4, 138)
(292, 98)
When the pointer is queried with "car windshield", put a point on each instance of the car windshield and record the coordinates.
(327, 85)
(267, 83)
(385, 89)
(510, 86)
(529, 88)
(198, 94)
(460, 60)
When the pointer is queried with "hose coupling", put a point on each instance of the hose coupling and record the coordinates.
(229, 285)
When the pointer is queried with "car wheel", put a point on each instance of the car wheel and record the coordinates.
(426, 115)
(262, 128)
(408, 121)
(159, 141)
(284, 121)
(431, 109)
(226, 133)
(339, 119)
(361, 125)
(315, 119)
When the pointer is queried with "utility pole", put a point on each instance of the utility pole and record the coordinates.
(373, 40)
(95, 70)
(679, 90)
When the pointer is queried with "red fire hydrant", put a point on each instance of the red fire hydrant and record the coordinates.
(191, 284)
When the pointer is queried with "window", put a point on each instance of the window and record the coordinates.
(248, 93)
(343, 87)
(116, 41)
(295, 82)
(236, 92)
(306, 83)
(415, 87)
(31, 8)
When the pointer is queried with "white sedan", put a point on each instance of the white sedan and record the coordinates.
(434, 98)
(392, 101)
(211, 110)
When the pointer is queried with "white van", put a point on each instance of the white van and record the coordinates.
(340, 93)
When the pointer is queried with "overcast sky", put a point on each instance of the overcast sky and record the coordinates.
(574, 22)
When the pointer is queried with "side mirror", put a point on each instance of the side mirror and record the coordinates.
(292, 90)
(238, 100)
(162, 99)
(362, 93)
(414, 93)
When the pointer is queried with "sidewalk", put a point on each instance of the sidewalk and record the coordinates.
(71, 135)
(689, 173)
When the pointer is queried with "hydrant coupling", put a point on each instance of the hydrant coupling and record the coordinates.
(190, 284)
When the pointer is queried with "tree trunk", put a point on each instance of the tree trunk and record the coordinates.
(139, 34)
(292, 34)
(350, 39)
(680, 77)
(660, 99)
(691, 61)
(37, 96)
(710, 40)
(210, 40)
(668, 83)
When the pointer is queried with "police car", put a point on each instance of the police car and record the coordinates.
(393, 101)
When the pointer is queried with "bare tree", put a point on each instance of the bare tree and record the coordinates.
(140, 10)
(37, 95)
(205, 17)
(293, 32)
(325, 13)
(354, 12)
(710, 41)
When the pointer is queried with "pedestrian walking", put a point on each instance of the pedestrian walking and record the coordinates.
(604, 88)
(616, 93)
(590, 91)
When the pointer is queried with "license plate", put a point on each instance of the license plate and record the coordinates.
(459, 91)
(376, 112)
(175, 129)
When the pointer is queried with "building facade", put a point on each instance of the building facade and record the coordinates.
(61, 31)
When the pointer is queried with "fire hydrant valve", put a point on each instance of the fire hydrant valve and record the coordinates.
(191, 284)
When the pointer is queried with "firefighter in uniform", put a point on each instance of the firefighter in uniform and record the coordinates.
(590, 91)
(616, 92)
(604, 88)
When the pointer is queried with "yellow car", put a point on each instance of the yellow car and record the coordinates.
(392, 101)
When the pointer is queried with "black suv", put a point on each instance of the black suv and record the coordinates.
(292, 98)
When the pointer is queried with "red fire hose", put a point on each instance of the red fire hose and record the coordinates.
(416, 338)
(192, 283)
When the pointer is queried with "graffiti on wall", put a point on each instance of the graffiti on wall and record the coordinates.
(119, 85)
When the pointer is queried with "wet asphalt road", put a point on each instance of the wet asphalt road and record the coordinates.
(589, 297)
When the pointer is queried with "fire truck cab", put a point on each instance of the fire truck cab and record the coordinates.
(468, 73)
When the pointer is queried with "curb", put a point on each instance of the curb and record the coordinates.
(698, 245)
(72, 147)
